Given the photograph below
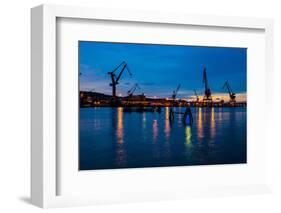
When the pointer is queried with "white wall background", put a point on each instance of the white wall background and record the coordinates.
(15, 104)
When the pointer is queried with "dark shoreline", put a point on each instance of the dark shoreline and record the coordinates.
(123, 106)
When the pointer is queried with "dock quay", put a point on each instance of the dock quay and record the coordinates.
(93, 99)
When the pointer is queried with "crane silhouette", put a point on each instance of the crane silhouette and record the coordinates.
(175, 92)
(208, 94)
(115, 78)
(232, 95)
(133, 89)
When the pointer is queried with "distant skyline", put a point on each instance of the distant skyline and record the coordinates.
(158, 69)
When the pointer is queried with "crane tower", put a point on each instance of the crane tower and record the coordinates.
(115, 78)
(207, 94)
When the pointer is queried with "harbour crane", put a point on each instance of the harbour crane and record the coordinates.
(175, 92)
(197, 97)
(115, 78)
(133, 89)
(232, 95)
(208, 95)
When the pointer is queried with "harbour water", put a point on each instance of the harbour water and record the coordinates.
(111, 138)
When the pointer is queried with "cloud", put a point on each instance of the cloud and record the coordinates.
(147, 83)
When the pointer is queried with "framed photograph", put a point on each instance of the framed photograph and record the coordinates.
(130, 106)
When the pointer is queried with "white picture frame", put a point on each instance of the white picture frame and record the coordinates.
(44, 155)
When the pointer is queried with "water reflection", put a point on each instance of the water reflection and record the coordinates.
(144, 120)
(213, 125)
(155, 130)
(220, 114)
(119, 130)
(179, 116)
(199, 123)
(167, 131)
(112, 138)
(167, 124)
(120, 151)
(188, 136)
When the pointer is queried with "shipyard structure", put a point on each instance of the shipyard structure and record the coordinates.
(131, 99)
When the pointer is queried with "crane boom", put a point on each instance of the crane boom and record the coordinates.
(120, 74)
(133, 89)
(116, 68)
(175, 92)
(114, 79)
(197, 97)
(232, 95)
(195, 93)
(178, 88)
(226, 85)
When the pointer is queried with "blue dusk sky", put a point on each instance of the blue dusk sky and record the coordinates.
(158, 69)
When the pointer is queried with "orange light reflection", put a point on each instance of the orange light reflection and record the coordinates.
(167, 124)
(199, 123)
(119, 131)
(213, 127)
